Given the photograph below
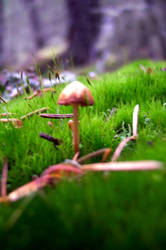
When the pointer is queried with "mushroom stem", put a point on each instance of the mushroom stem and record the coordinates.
(75, 128)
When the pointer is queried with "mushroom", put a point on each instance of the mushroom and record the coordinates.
(76, 94)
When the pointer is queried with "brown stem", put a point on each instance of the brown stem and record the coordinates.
(124, 166)
(4, 178)
(75, 128)
(121, 146)
(56, 116)
(94, 154)
(76, 156)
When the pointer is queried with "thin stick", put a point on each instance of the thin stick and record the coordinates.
(56, 116)
(6, 114)
(4, 178)
(60, 168)
(126, 140)
(76, 156)
(28, 188)
(120, 147)
(1, 98)
(16, 122)
(135, 120)
(106, 154)
(34, 112)
(55, 141)
(124, 166)
(6, 120)
(32, 96)
(94, 154)
(39, 92)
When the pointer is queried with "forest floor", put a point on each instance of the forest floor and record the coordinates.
(114, 210)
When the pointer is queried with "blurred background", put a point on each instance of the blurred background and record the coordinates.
(105, 33)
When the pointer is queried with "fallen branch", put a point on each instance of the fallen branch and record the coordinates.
(34, 113)
(57, 172)
(56, 116)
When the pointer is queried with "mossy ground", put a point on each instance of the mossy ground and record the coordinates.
(117, 211)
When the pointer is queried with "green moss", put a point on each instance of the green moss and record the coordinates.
(118, 210)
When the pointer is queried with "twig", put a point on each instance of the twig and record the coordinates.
(6, 120)
(56, 116)
(7, 114)
(120, 147)
(124, 166)
(4, 178)
(34, 112)
(62, 168)
(55, 141)
(106, 154)
(16, 122)
(28, 188)
(126, 140)
(76, 156)
(39, 92)
(2, 99)
(94, 154)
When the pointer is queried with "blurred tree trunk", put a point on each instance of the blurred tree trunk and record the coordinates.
(1, 26)
(157, 16)
(35, 23)
(84, 25)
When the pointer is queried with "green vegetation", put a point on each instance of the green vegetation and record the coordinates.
(114, 211)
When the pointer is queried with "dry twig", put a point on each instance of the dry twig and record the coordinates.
(4, 178)
(2, 99)
(34, 113)
(55, 141)
(16, 122)
(7, 114)
(104, 151)
(56, 116)
(124, 166)
(126, 140)
(39, 93)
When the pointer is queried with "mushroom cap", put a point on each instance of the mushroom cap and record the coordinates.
(76, 92)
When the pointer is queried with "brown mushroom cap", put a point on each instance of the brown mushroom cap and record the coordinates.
(76, 92)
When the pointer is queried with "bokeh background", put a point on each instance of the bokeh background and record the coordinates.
(107, 33)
